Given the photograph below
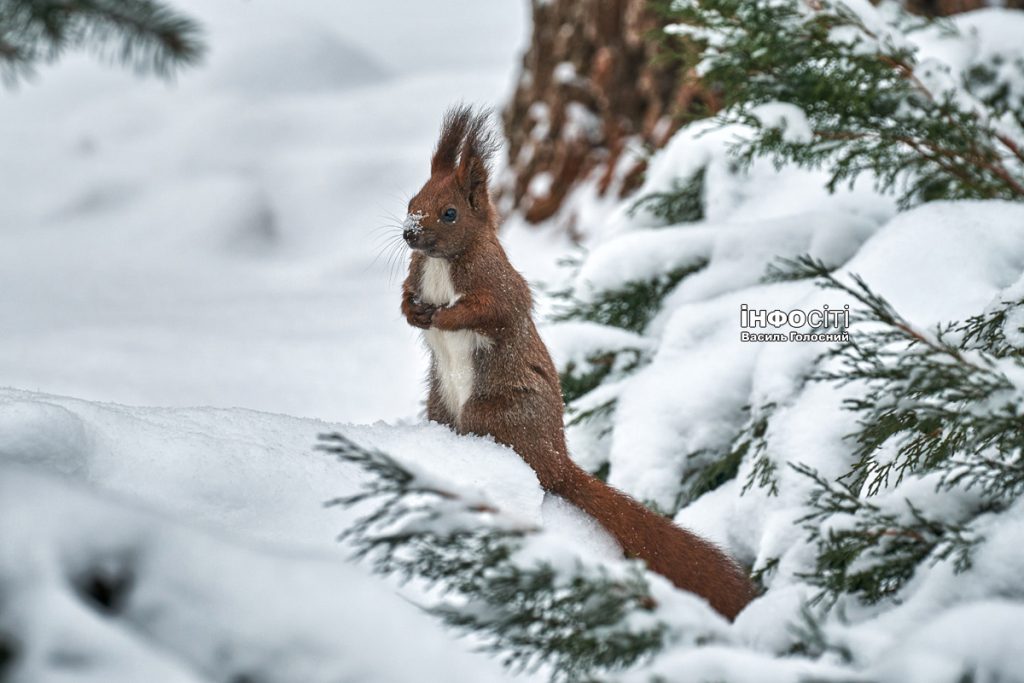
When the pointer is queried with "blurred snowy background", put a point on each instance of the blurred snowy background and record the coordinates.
(215, 241)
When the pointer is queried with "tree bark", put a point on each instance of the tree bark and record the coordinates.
(591, 97)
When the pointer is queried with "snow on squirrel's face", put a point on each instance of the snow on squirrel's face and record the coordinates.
(411, 224)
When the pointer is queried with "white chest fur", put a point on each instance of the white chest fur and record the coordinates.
(452, 350)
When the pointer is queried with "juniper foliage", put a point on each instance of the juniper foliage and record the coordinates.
(939, 406)
(577, 623)
(631, 306)
(683, 202)
(942, 405)
(923, 130)
(871, 552)
(145, 34)
(752, 445)
(578, 379)
(710, 469)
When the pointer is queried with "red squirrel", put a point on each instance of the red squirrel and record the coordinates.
(490, 373)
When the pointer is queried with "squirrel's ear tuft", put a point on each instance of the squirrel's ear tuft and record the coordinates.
(453, 131)
(478, 148)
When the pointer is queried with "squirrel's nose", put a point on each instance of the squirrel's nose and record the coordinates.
(408, 234)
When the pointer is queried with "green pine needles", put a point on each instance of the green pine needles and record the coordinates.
(948, 396)
(578, 379)
(869, 552)
(144, 34)
(681, 203)
(629, 307)
(848, 93)
(575, 620)
(941, 407)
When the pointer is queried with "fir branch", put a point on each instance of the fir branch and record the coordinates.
(763, 574)
(813, 641)
(764, 474)
(865, 103)
(753, 442)
(713, 470)
(944, 407)
(865, 551)
(987, 331)
(579, 380)
(630, 307)
(602, 411)
(940, 403)
(145, 34)
(577, 626)
(682, 203)
(579, 621)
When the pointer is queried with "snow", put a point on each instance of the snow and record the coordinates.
(723, 663)
(988, 38)
(254, 474)
(580, 122)
(955, 258)
(196, 605)
(942, 261)
(574, 342)
(980, 35)
(984, 636)
(969, 251)
(564, 72)
(540, 184)
(751, 220)
(762, 193)
(214, 520)
(788, 118)
(636, 255)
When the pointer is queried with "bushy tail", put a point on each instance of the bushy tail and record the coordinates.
(687, 560)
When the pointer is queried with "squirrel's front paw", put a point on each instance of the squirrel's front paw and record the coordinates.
(420, 314)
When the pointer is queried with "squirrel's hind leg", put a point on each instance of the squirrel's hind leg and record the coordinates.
(437, 410)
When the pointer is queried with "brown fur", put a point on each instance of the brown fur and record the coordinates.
(516, 396)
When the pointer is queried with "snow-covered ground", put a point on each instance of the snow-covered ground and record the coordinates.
(161, 544)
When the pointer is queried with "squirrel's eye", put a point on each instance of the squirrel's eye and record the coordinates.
(449, 215)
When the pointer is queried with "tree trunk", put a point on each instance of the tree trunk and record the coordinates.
(591, 96)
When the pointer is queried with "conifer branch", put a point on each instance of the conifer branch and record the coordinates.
(942, 405)
(577, 619)
(871, 553)
(865, 103)
(145, 34)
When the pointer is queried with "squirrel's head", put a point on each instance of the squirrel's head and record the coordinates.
(453, 210)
